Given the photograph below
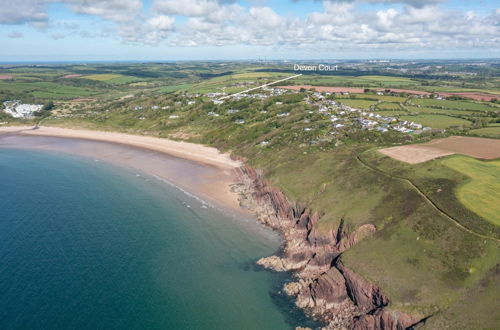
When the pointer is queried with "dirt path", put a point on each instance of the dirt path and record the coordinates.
(426, 198)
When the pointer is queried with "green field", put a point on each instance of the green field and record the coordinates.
(415, 109)
(388, 106)
(437, 121)
(487, 131)
(482, 193)
(449, 104)
(355, 103)
(46, 90)
(392, 113)
(360, 81)
(112, 78)
(102, 77)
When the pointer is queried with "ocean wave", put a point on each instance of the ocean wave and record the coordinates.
(204, 203)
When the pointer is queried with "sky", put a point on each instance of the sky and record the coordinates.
(164, 30)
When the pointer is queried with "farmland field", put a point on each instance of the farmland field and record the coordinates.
(360, 104)
(437, 121)
(392, 112)
(48, 90)
(471, 146)
(112, 78)
(388, 106)
(449, 104)
(441, 111)
(360, 81)
(493, 131)
(482, 193)
(102, 77)
(387, 98)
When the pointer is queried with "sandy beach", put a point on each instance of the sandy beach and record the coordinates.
(200, 170)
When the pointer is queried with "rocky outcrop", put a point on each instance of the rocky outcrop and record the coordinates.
(382, 319)
(364, 294)
(325, 288)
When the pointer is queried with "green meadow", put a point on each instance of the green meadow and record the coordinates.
(482, 193)
(458, 105)
(437, 121)
(358, 103)
(493, 132)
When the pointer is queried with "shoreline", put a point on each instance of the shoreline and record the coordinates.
(209, 173)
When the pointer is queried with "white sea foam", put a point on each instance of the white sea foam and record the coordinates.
(204, 203)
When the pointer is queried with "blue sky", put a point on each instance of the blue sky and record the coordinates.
(50, 30)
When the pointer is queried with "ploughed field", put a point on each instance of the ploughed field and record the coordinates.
(480, 148)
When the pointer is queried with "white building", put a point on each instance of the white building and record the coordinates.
(19, 110)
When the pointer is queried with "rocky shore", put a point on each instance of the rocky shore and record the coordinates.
(324, 287)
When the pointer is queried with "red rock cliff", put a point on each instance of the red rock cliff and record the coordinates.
(325, 288)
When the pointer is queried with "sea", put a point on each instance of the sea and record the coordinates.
(90, 245)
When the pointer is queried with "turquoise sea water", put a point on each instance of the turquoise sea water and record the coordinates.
(87, 245)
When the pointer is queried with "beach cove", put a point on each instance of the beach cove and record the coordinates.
(132, 219)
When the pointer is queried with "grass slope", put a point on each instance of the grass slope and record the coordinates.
(437, 121)
(487, 131)
(482, 193)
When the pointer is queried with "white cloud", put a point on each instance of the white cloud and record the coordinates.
(113, 10)
(413, 3)
(339, 25)
(22, 11)
(161, 22)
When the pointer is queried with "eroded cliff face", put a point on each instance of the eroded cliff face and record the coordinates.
(325, 288)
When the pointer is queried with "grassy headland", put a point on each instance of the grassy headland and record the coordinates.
(425, 263)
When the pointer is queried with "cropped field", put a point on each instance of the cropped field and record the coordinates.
(361, 104)
(388, 106)
(437, 121)
(360, 81)
(450, 104)
(389, 98)
(122, 80)
(487, 131)
(393, 113)
(415, 109)
(46, 90)
(102, 77)
(480, 148)
(482, 193)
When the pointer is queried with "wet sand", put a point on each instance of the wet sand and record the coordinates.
(196, 169)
